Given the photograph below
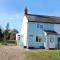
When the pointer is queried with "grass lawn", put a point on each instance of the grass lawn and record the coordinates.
(2, 43)
(43, 55)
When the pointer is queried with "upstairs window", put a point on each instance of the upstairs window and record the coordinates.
(41, 26)
(37, 25)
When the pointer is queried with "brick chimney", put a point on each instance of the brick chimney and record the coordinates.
(25, 11)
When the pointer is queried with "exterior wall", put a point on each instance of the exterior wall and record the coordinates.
(46, 26)
(54, 44)
(29, 31)
(32, 39)
(24, 31)
(57, 28)
(33, 31)
(58, 42)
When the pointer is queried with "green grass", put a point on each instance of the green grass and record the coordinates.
(1, 42)
(43, 55)
(1, 45)
(7, 42)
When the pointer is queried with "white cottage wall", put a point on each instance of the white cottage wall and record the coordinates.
(33, 31)
(24, 31)
(57, 28)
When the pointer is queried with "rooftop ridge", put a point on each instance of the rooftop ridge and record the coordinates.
(45, 16)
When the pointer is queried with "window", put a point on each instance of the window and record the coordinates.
(58, 39)
(51, 39)
(38, 39)
(41, 26)
(18, 37)
(31, 35)
(37, 25)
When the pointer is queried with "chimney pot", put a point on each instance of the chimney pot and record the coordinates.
(26, 11)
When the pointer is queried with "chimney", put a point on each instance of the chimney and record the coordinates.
(26, 11)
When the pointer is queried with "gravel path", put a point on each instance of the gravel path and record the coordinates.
(16, 53)
(11, 53)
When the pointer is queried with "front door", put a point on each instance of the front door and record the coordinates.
(59, 42)
(51, 42)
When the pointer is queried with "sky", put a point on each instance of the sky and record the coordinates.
(12, 11)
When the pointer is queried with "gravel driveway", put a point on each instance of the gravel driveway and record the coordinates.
(11, 53)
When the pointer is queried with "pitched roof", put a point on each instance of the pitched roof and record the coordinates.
(43, 19)
(51, 32)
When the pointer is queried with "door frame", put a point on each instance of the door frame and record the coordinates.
(51, 42)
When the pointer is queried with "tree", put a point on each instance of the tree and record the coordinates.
(7, 26)
(13, 34)
(6, 33)
(1, 34)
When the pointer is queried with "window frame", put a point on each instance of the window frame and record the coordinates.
(38, 26)
(51, 39)
(41, 26)
(38, 39)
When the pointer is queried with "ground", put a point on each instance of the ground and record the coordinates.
(18, 53)
(11, 53)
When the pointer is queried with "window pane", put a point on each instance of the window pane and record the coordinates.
(41, 26)
(39, 39)
(31, 35)
(36, 38)
(37, 25)
(59, 39)
(51, 39)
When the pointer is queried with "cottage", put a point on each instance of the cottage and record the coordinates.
(39, 31)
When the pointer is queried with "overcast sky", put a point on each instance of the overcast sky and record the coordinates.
(12, 10)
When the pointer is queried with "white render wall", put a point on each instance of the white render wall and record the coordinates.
(33, 30)
(29, 31)
(24, 31)
(57, 28)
